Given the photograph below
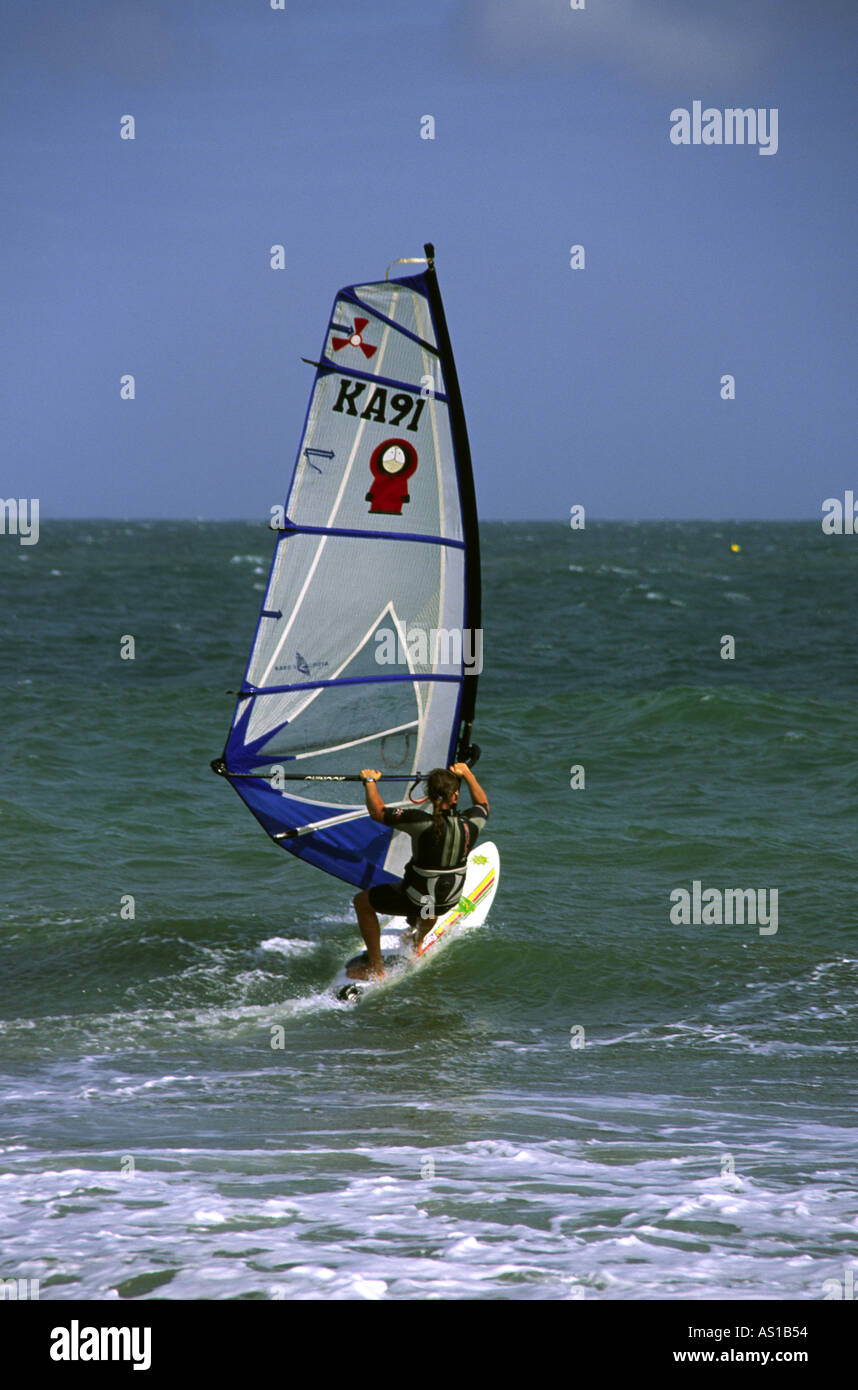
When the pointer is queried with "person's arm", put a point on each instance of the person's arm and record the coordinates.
(478, 796)
(374, 803)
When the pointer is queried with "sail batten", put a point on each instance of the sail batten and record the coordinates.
(292, 528)
(359, 654)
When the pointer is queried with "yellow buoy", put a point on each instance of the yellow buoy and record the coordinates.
(735, 548)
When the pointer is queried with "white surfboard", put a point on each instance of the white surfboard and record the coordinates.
(397, 950)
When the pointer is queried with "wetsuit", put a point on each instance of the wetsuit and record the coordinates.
(435, 873)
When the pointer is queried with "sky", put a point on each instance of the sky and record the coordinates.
(301, 126)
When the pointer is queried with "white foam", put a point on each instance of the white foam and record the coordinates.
(288, 945)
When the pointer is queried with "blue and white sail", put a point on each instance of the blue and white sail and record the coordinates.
(355, 661)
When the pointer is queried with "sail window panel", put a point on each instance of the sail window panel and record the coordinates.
(331, 717)
(400, 728)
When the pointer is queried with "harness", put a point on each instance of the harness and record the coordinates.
(456, 871)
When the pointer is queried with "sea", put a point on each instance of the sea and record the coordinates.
(592, 1097)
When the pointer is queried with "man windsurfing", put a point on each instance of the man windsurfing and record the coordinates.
(441, 842)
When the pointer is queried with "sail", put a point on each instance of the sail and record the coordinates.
(363, 654)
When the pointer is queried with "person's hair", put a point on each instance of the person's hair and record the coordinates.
(441, 786)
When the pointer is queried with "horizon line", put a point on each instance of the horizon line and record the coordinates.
(484, 521)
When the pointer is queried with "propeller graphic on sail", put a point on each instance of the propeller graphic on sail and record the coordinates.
(379, 541)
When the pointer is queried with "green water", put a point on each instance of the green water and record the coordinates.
(444, 1139)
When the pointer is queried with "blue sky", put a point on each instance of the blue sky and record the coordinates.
(302, 127)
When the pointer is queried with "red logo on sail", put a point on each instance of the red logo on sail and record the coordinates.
(393, 462)
(355, 340)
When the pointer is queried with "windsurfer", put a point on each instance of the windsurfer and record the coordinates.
(433, 878)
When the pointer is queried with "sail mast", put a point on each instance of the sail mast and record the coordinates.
(461, 445)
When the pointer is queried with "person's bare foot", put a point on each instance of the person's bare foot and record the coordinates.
(362, 970)
(421, 940)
